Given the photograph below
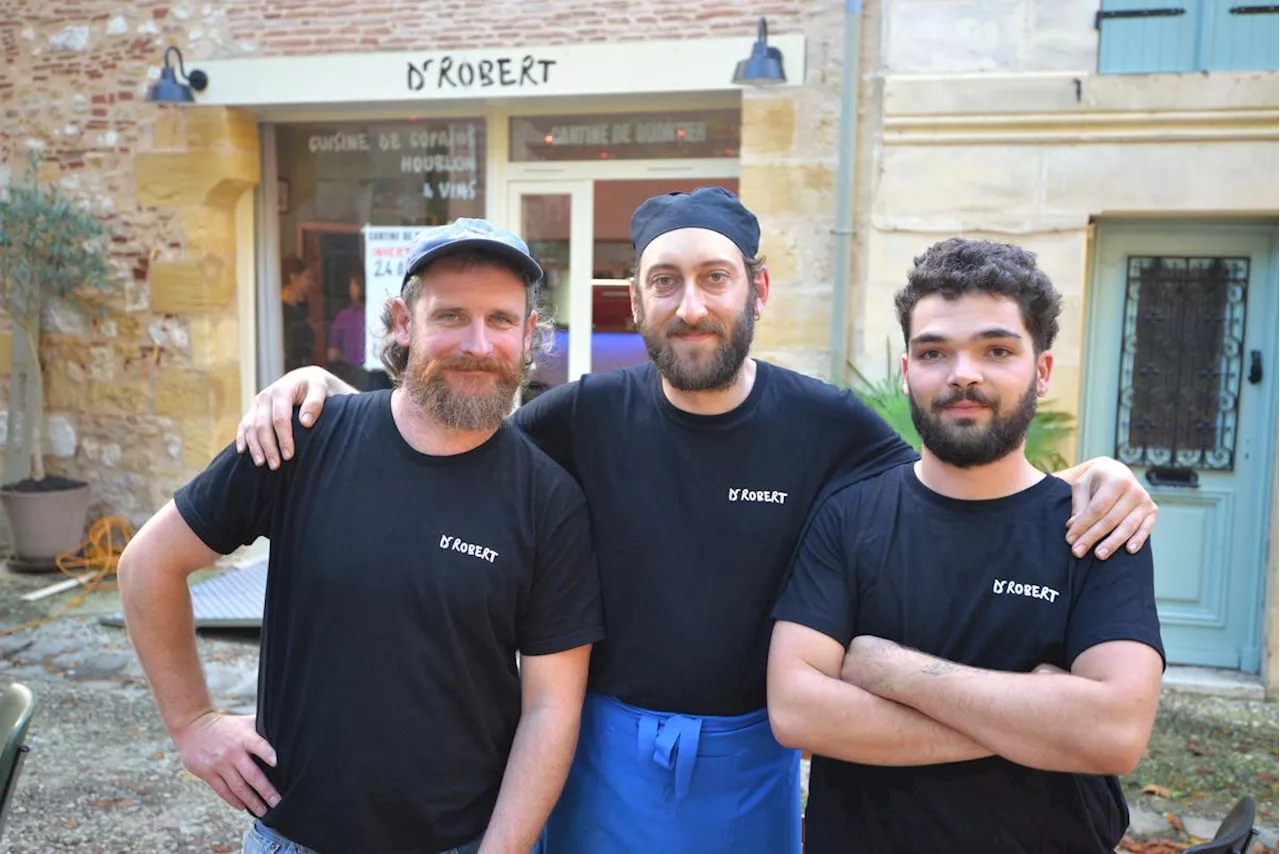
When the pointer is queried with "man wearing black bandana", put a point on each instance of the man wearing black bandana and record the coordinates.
(700, 469)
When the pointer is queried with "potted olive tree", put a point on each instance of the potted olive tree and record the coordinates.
(50, 246)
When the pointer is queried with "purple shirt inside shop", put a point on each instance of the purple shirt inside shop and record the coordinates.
(347, 335)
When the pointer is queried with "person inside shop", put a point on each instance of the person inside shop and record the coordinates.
(295, 295)
(347, 337)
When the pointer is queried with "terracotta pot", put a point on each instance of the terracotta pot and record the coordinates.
(45, 523)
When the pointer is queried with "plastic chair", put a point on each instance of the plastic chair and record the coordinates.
(16, 706)
(1235, 835)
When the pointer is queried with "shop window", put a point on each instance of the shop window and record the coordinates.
(336, 179)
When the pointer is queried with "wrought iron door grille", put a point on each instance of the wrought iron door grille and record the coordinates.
(1180, 362)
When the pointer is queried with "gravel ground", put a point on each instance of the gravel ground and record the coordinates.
(102, 775)
(1205, 753)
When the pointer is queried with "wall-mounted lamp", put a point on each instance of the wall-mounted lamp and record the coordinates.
(167, 90)
(764, 66)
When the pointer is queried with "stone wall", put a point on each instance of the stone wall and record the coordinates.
(789, 163)
(121, 411)
(305, 27)
(142, 395)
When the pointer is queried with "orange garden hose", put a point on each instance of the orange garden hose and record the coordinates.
(93, 563)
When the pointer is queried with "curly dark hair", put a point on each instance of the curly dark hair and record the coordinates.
(955, 267)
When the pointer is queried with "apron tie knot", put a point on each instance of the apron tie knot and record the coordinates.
(672, 743)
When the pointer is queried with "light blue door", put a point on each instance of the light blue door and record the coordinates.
(1180, 384)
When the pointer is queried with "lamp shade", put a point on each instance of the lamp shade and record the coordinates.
(167, 90)
(764, 66)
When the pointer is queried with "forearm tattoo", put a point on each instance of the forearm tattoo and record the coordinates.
(938, 667)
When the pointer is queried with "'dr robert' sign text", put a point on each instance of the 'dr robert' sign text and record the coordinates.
(450, 72)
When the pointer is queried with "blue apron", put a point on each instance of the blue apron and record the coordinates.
(647, 782)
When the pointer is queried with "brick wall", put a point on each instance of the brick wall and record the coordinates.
(310, 26)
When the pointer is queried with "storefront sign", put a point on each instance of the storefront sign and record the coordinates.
(458, 71)
(610, 136)
(602, 68)
(386, 250)
(628, 133)
(448, 154)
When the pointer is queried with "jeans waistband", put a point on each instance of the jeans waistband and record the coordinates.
(273, 835)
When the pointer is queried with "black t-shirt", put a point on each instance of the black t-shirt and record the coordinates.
(400, 588)
(990, 584)
(299, 335)
(696, 518)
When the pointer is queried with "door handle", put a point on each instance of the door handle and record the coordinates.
(1185, 478)
(1255, 366)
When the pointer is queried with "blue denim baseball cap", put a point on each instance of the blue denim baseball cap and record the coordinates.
(468, 233)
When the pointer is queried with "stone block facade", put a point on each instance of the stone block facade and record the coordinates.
(1009, 133)
(163, 179)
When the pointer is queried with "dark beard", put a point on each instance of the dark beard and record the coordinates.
(968, 446)
(710, 374)
(425, 384)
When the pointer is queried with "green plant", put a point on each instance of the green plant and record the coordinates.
(1045, 436)
(50, 246)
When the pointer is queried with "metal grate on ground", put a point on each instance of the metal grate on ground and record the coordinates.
(231, 600)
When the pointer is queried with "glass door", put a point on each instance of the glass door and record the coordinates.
(579, 230)
(615, 341)
(554, 218)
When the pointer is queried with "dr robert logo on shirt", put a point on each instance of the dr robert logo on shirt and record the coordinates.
(760, 496)
(1017, 588)
(457, 544)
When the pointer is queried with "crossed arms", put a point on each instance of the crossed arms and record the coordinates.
(879, 703)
